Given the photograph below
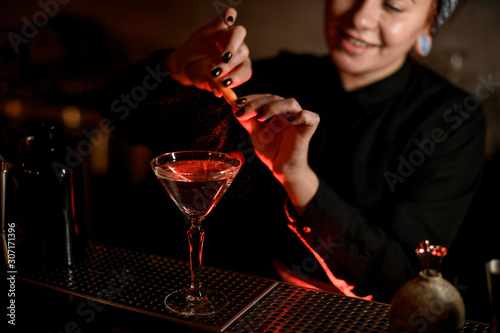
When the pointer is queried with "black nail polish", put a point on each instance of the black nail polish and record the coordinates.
(260, 114)
(227, 82)
(291, 118)
(267, 121)
(239, 113)
(241, 101)
(227, 56)
(230, 19)
(216, 72)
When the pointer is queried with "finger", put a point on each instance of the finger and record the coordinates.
(242, 73)
(236, 77)
(305, 118)
(234, 41)
(230, 45)
(282, 107)
(229, 16)
(221, 84)
(252, 126)
(237, 59)
(254, 105)
(225, 18)
(202, 79)
(248, 122)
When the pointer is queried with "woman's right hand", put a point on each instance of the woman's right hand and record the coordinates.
(215, 55)
(281, 132)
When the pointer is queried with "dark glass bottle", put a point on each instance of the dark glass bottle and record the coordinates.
(50, 197)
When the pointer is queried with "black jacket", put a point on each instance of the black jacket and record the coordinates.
(398, 161)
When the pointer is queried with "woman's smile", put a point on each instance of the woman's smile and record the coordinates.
(370, 39)
(355, 45)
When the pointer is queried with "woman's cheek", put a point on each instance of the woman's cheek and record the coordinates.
(396, 33)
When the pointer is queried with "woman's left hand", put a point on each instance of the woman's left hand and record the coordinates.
(281, 131)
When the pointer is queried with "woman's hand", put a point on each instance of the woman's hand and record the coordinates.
(281, 132)
(215, 55)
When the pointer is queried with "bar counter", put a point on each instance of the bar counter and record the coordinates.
(114, 289)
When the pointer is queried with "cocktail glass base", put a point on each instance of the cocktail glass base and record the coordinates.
(187, 302)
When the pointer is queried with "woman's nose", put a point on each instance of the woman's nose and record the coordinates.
(367, 14)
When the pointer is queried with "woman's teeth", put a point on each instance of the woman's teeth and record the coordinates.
(358, 42)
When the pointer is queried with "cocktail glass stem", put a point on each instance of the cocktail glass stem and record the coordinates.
(196, 235)
(186, 175)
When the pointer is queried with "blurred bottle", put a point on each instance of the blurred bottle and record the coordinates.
(5, 208)
(50, 199)
(493, 280)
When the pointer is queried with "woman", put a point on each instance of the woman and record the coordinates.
(395, 159)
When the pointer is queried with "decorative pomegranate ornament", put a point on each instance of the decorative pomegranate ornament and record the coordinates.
(428, 302)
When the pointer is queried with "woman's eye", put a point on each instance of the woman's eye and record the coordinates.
(392, 8)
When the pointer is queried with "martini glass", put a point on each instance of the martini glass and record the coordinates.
(196, 180)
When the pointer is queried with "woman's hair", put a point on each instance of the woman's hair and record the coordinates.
(442, 10)
(433, 14)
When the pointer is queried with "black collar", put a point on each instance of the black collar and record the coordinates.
(370, 96)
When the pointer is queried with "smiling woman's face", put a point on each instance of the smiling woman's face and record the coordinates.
(370, 39)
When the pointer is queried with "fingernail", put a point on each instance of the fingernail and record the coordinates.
(227, 82)
(241, 101)
(230, 19)
(216, 72)
(291, 118)
(239, 113)
(227, 56)
(260, 114)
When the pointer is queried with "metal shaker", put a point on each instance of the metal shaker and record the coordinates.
(50, 200)
(493, 280)
(5, 209)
